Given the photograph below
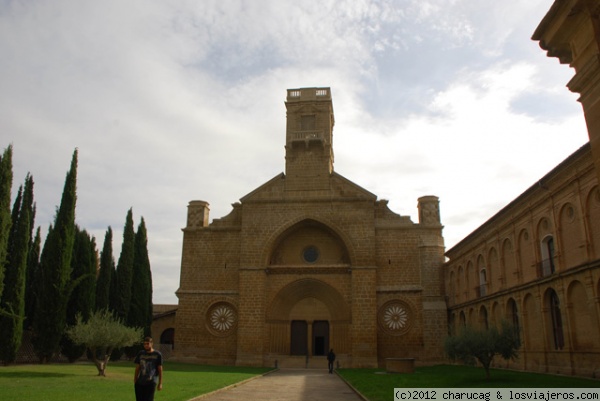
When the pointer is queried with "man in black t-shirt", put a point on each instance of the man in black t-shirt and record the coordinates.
(148, 372)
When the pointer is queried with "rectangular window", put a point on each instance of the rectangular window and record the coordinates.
(308, 123)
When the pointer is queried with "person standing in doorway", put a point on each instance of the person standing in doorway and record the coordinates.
(330, 359)
(148, 372)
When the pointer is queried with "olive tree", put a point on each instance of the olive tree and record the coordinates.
(101, 334)
(483, 345)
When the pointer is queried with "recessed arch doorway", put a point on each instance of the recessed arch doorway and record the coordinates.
(308, 317)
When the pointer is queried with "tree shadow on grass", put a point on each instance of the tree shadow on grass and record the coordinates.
(32, 375)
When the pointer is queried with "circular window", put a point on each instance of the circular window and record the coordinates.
(221, 319)
(310, 254)
(570, 213)
(395, 317)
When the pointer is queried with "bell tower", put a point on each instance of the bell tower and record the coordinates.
(309, 139)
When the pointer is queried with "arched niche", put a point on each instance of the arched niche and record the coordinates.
(308, 242)
(293, 296)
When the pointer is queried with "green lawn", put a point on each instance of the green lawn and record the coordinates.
(79, 382)
(376, 385)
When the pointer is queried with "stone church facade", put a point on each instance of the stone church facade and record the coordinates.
(311, 261)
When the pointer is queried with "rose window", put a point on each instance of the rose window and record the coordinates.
(395, 317)
(221, 319)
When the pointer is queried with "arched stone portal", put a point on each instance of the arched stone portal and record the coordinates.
(307, 317)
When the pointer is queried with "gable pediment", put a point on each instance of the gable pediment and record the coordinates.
(344, 188)
(339, 188)
(272, 189)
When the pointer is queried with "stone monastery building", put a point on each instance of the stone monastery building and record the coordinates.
(311, 261)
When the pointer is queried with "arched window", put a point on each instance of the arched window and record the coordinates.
(451, 324)
(513, 317)
(526, 268)
(470, 279)
(584, 331)
(459, 282)
(532, 320)
(547, 266)
(451, 289)
(556, 320)
(573, 244)
(482, 283)
(507, 264)
(493, 271)
(168, 336)
(483, 318)
(593, 217)
(482, 288)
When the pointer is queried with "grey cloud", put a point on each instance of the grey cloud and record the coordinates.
(545, 106)
(169, 102)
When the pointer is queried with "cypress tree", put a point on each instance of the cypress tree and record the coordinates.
(82, 300)
(140, 311)
(14, 217)
(13, 297)
(6, 177)
(33, 263)
(124, 272)
(106, 273)
(55, 273)
(113, 293)
(84, 268)
(94, 267)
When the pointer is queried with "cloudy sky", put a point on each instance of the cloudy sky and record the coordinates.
(172, 101)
